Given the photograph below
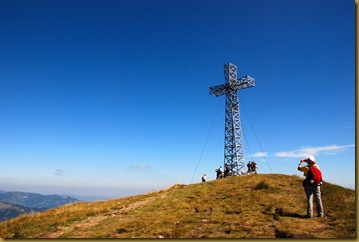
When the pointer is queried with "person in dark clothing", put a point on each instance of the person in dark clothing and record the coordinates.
(219, 172)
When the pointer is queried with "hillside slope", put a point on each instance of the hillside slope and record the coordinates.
(254, 206)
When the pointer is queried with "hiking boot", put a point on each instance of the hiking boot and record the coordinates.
(320, 215)
(307, 216)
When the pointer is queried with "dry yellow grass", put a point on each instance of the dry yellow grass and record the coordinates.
(254, 206)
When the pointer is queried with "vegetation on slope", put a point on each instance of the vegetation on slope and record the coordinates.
(254, 206)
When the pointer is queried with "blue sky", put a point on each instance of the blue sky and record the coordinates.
(111, 97)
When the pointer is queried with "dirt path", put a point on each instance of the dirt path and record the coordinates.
(92, 221)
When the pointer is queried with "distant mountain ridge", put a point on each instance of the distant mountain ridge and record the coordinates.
(35, 200)
(13, 204)
(9, 210)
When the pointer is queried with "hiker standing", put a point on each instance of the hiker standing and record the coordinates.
(204, 178)
(254, 167)
(219, 172)
(227, 171)
(249, 166)
(312, 185)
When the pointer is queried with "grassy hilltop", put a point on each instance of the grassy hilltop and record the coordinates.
(254, 206)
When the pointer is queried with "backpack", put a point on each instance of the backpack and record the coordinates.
(315, 175)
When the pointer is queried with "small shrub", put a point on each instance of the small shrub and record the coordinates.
(121, 230)
(283, 234)
(17, 233)
(261, 185)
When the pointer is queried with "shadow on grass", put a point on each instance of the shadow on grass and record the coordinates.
(294, 215)
(279, 212)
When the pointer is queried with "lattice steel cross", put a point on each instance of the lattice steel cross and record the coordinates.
(233, 145)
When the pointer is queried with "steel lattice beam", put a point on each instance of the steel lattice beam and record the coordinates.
(233, 142)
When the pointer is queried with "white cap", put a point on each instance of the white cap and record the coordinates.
(311, 158)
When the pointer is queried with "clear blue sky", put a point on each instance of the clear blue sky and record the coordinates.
(111, 97)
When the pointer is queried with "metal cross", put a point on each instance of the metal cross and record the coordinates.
(233, 145)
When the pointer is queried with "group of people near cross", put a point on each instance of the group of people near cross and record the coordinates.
(252, 169)
(221, 174)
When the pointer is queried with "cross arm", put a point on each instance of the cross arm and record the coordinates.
(218, 90)
(245, 82)
(241, 83)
